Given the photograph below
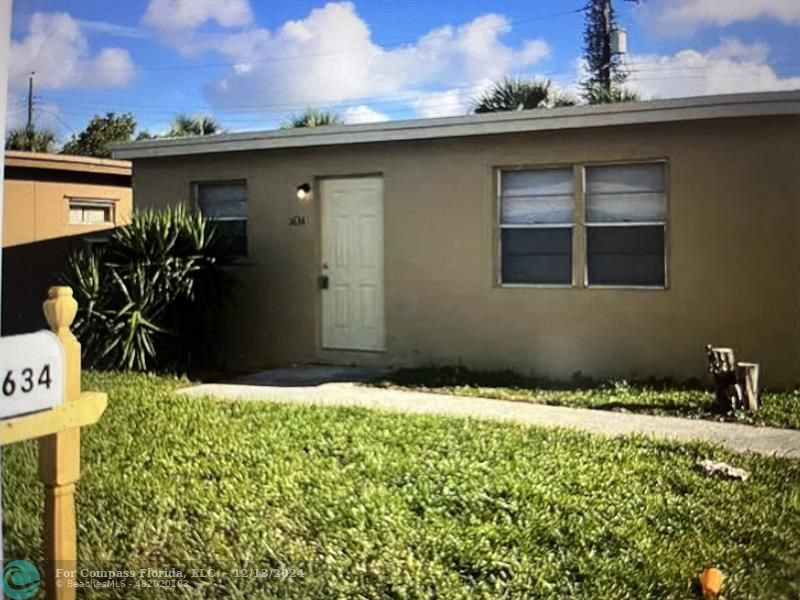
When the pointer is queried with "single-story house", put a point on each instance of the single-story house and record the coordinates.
(614, 240)
(53, 203)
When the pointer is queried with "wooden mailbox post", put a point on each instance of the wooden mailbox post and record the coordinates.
(59, 434)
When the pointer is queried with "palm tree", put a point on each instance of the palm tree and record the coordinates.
(520, 94)
(189, 125)
(30, 139)
(599, 95)
(313, 117)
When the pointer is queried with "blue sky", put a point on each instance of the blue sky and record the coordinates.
(252, 63)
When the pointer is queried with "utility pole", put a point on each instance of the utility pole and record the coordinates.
(605, 70)
(30, 100)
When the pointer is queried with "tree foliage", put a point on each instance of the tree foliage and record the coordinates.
(149, 296)
(606, 73)
(313, 117)
(598, 95)
(194, 125)
(100, 133)
(30, 139)
(520, 94)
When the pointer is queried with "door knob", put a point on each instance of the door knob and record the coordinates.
(324, 282)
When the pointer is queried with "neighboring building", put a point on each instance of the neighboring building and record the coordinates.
(611, 240)
(50, 196)
(53, 203)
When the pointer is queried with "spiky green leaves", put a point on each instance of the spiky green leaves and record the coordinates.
(520, 94)
(147, 297)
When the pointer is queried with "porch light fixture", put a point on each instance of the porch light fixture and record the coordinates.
(304, 192)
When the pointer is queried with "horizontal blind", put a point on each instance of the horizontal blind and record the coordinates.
(626, 210)
(537, 197)
(96, 214)
(626, 193)
(89, 211)
(76, 215)
(537, 212)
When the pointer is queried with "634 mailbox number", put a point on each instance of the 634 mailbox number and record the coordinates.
(25, 380)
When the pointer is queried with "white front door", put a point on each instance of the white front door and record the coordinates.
(352, 262)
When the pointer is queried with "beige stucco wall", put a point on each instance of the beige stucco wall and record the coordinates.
(36, 210)
(733, 247)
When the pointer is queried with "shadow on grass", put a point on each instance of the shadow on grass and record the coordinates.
(652, 396)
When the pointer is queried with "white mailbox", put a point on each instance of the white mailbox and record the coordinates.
(31, 373)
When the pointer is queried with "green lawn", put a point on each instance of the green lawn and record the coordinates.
(659, 398)
(375, 505)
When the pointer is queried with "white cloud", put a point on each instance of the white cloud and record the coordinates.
(685, 16)
(114, 29)
(175, 15)
(729, 67)
(57, 50)
(442, 104)
(329, 57)
(363, 114)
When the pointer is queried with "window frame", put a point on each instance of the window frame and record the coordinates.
(79, 202)
(195, 195)
(586, 225)
(499, 226)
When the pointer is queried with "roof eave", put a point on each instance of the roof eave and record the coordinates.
(684, 109)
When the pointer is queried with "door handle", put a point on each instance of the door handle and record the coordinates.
(324, 282)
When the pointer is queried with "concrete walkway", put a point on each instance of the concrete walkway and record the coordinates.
(739, 438)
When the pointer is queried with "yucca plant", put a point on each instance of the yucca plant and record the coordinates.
(149, 296)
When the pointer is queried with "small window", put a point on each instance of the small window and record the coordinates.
(90, 212)
(626, 212)
(225, 204)
(536, 219)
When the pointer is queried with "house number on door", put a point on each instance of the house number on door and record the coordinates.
(298, 220)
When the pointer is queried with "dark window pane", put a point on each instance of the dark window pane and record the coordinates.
(226, 205)
(234, 236)
(222, 200)
(537, 255)
(626, 255)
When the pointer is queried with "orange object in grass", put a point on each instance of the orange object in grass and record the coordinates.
(711, 581)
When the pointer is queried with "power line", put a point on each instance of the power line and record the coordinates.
(666, 67)
(416, 94)
(277, 59)
(404, 96)
(409, 97)
(55, 114)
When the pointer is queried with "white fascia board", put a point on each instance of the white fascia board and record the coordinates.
(631, 113)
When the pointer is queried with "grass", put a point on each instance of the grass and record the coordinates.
(376, 505)
(778, 409)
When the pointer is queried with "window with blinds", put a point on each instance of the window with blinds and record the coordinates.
(537, 215)
(225, 203)
(86, 211)
(626, 213)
